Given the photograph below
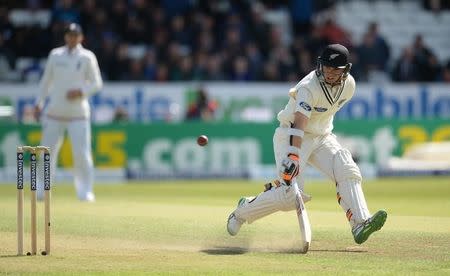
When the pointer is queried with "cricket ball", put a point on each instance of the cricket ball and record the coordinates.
(202, 140)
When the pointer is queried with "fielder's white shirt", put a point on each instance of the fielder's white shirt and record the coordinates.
(66, 70)
(317, 101)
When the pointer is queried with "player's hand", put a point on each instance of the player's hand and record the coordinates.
(291, 167)
(74, 94)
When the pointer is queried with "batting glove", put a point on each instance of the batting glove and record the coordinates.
(291, 167)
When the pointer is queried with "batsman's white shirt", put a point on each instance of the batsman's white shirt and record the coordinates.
(319, 102)
(66, 70)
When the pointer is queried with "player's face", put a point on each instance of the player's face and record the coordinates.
(332, 75)
(72, 39)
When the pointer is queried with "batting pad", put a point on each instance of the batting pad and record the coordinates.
(276, 199)
(348, 187)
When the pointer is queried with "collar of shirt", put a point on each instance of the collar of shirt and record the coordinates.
(75, 50)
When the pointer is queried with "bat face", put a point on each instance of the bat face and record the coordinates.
(303, 221)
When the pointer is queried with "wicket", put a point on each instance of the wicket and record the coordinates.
(20, 184)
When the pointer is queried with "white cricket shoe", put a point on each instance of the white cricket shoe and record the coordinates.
(88, 197)
(234, 223)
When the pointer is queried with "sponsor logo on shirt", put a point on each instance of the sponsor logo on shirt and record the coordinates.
(320, 109)
(305, 106)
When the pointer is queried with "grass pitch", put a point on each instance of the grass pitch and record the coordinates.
(179, 228)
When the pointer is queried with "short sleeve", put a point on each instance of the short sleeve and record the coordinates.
(304, 101)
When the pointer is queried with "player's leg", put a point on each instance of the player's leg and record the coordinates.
(52, 137)
(278, 196)
(80, 138)
(337, 163)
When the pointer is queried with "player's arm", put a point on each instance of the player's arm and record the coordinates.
(291, 163)
(301, 117)
(300, 123)
(44, 86)
(93, 76)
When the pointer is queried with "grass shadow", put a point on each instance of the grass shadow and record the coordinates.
(225, 251)
(12, 256)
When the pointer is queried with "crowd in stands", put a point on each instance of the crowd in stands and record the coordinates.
(225, 40)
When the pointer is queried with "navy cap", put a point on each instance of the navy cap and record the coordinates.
(73, 28)
(334, 55)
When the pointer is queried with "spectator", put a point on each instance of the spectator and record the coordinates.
(381, 47)
(65, 12)
(6, 54)
(302, 13)
(120, 115)
(106, 55)
(240, 71)
(405, 69)
(214, 69)
(150, 64)
(446, 73)
(120, 63)
(87, 14)
(200, 66)
(178, 31)
(203, 108)
(162, 73)
(271, 72)
(119, 12)
(255, 60)
(33, 72)
(257, 27)
(135, 32)
(333, 33)
(184, 71)
(315, 41)
(425, 60)
(370, 56)
(6, 28)
(136, 71)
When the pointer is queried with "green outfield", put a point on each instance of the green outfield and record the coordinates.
(178, 227)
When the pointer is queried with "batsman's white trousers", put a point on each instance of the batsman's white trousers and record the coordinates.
(327, 155)
(79, 132)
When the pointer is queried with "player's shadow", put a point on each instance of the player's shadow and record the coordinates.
(232, 250)
(225, 251)
(347, 250)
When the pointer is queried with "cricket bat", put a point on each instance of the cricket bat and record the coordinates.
(303, 220)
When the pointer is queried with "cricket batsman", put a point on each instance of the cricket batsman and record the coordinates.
(71, 76)
(305, 136)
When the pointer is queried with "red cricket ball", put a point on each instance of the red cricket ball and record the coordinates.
(202, 140)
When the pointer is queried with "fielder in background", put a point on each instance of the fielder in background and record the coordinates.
(305, 136)
(71, 76)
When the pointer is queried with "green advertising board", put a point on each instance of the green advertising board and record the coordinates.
(172, 147)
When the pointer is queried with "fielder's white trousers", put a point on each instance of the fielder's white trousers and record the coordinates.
(79, 132)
